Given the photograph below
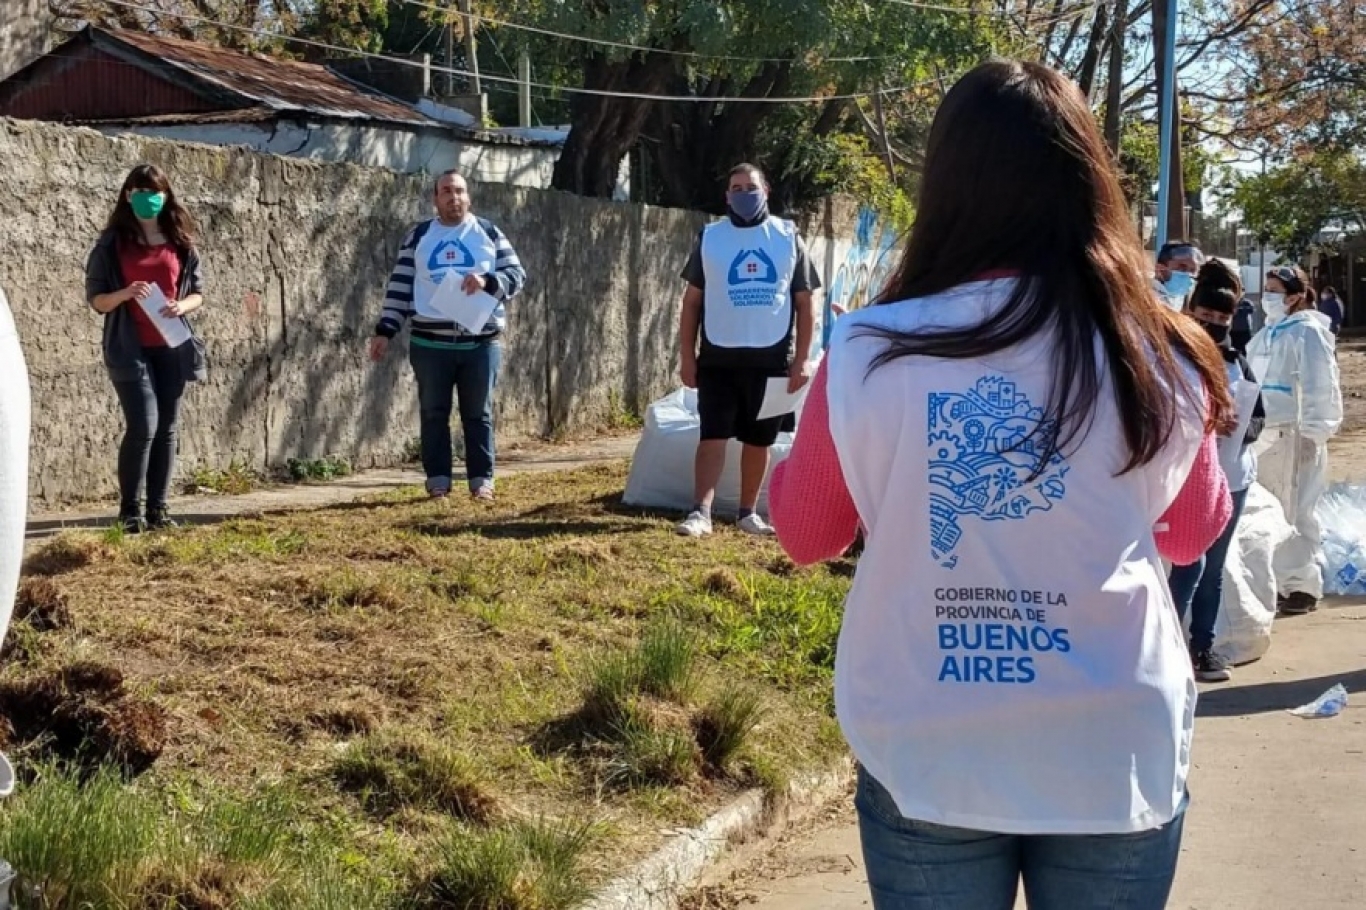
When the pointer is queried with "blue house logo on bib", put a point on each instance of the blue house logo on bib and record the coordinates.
(984, 445)
(449, 255)
(751, 279)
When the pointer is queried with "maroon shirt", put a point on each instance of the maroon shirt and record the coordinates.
(159, 265)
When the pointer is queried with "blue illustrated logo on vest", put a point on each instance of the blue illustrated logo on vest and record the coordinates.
(448, 255)
(983, 446)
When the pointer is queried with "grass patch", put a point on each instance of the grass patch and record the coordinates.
(382, 662)
(390, 773)
(725, 723)
(234, 480)
(529, 865)
(77, 843)
(95, 842)
(317, 470)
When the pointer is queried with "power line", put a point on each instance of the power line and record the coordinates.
(602, 42)
(693, 99)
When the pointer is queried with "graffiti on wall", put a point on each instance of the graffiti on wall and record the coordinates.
(867, 262)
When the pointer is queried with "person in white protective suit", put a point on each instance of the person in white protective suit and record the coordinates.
(1294, 355)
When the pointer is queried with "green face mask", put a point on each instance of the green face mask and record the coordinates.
(146, 203)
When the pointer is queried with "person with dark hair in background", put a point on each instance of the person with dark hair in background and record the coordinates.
(1174, 274)
(1295, 357)
(1330, 306)
(1244, 325)
(149, 244)
(748, 316)
(1198, 588)
(1024, 433)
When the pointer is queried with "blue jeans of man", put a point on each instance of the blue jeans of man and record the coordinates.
(915, 865)
(468, 372)
(1199, 587)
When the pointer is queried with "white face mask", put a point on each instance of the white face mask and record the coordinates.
(1273, 305)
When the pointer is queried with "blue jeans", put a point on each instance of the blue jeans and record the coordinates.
(916, 865)
(1199, 587)
(442, 374)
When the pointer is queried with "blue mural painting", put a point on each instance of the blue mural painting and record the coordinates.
(864, 270)
(984, 445)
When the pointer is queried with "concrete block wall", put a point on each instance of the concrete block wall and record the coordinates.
(296, 258)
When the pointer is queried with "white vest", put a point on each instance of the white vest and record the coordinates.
(446, 252)
(1010, 660)
(747, 302)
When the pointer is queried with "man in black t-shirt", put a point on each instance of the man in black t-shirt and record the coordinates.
(748, 316)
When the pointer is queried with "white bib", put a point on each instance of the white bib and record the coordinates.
(449, 253)
(1010, 660)
(748, 272)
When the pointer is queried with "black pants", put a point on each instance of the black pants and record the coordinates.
(151, 409)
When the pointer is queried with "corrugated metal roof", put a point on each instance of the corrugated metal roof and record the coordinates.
(282, 85)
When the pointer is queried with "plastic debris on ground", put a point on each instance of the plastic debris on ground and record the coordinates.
(1342, 515)
(1329, 704)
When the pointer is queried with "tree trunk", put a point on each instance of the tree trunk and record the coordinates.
(1095, 47)
(604, 129)
(1114, 87)
(694, 146)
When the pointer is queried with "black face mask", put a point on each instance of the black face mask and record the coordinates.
(1218, 332)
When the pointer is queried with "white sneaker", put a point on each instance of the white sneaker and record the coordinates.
(695, 525)
(755, 525)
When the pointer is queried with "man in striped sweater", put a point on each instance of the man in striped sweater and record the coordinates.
(451, 360)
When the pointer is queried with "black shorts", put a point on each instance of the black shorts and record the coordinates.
(728, 402)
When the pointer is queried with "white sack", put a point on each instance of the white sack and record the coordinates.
(1242, 632)
(14, 435)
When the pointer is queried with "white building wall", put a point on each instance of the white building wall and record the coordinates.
(405, 151)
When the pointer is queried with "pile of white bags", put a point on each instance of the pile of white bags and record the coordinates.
(14, 431)
(1242, 633)
(1342, 516)
(662, 470)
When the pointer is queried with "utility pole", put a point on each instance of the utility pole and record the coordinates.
(524, 90)
(1171, 202)
(450, 55)
(471, 48)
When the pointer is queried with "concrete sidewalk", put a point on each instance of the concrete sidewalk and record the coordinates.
(1278, 818)
(207, 509)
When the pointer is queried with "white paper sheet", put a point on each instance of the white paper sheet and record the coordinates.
(1245, 402)
(172, 328)
(469, 311)
(778, 401)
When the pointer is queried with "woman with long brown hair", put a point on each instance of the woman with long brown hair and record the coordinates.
(147, 248)
(1023, 432)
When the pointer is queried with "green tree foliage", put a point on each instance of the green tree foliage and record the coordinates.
(1291, 205)
(718, 51)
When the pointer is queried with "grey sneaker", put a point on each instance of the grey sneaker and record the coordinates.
(755, 525)
(1210, 667)
(695, 525)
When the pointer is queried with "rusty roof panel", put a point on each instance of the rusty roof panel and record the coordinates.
(84, 83)
(283, 85)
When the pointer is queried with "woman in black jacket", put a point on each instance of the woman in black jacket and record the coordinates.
(147, 254)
